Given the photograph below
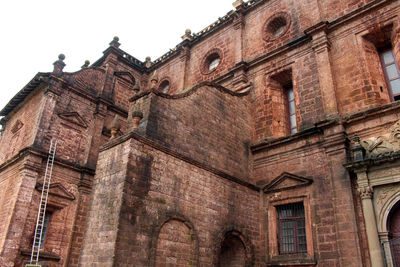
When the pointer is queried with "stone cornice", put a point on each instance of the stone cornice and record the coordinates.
(357, 12)
(189, 92)
(24, 92)
(38, 152)
(371, 113)
(317, 129)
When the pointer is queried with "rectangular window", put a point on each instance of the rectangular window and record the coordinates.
(392, 73)
(291, 110)
(46, 222)
(292, 230)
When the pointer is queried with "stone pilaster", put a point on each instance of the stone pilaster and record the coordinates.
(347, 239)
(185, 56)
(321, 47)
(366, 194)
(240, 68)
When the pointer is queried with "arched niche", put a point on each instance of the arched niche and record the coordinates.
(175, 243)
(233, 250)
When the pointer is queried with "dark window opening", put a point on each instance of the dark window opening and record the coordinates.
(283, 83)
(292, 229)
(164, 87)
(277, 26)
(45, 227)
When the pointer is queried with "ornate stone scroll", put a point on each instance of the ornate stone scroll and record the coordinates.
(383, 144)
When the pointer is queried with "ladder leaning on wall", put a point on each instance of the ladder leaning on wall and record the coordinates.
(37, 239)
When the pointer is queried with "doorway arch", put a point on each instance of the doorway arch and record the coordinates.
(233, 250)
(393, 226)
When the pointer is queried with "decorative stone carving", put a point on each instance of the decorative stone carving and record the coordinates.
(365, 192)
(384, 144)
(74, 117)
(17, 125)
(286, 181)
(383, 195)
(136, 117)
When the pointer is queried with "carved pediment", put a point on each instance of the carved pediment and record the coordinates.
(17, 125)
(286, 181)
(125, 76)
(57, 190)
(384, 144)
(74, 118)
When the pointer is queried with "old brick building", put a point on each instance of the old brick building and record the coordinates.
(270, 138)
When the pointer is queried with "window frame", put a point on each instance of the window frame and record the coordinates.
(289, 197)
(288, 89)
(294, 219)
(386, 76)
(210, 57)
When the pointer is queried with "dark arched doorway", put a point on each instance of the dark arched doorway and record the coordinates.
(394, 234)
(233, 252)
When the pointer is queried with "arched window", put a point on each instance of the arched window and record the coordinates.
(211, 61)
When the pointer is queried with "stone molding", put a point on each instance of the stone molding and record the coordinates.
(191, 91)
(58, 190)
(286, 181)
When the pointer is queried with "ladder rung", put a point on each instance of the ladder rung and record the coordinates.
(43, 202)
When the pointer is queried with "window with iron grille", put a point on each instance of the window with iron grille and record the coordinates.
(292, 230)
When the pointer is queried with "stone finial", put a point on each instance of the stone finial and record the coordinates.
(115, 43)
(356, 140)
(59, 65)
(148, 62)
(136, 88)
(237, 3)
(188, 35)
(87, 63)
(115, 127)
(136, 117)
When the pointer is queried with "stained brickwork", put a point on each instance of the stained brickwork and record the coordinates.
(181, 123)
(150, 188)
(20, 128)
(199, 182)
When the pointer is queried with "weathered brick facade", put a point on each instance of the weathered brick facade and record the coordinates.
(236, 148)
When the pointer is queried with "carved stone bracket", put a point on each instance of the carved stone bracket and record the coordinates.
(383, 144)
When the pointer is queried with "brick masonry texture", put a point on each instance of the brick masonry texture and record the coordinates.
(182, 123)
(154, 193)
(199, 182)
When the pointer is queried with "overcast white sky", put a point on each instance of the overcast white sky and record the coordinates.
(34, 32)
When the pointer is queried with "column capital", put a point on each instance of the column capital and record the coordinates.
(383, 237)
(366, 192)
